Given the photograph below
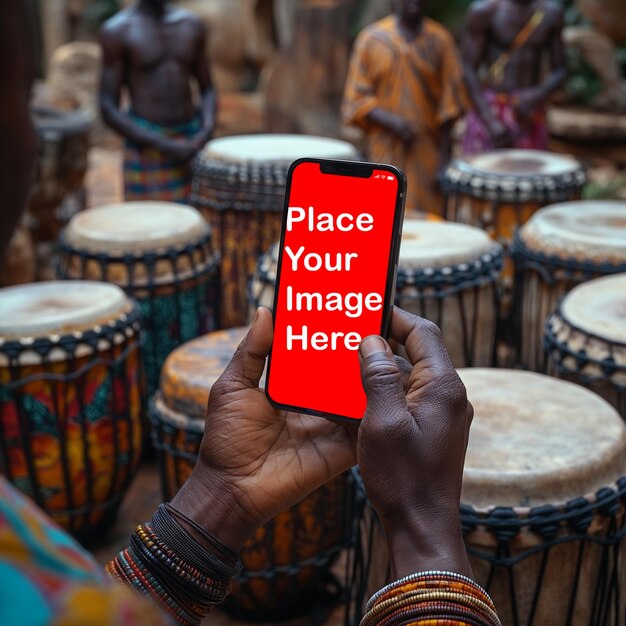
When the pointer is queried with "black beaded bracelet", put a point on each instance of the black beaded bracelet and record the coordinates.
(189, 549)
(231, 555)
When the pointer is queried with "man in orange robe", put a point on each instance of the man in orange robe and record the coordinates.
(405, 89)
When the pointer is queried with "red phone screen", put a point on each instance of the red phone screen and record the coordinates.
(335, 272)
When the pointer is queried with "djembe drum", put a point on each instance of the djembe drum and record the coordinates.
(500, 190)
(586, 338)
(543, 501)
(159, 253)
(70, 399)
(61, 167)
(287, 560)
(239, 185)
(558, 248)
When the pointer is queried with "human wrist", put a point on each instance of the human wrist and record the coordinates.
(213, 504)
(427, 543)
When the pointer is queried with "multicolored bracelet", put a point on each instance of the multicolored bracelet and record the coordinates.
(442, 598)
(166, 563)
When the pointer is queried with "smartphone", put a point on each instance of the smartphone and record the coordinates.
(335, 282)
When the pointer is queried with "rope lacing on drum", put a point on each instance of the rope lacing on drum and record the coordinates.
(562, 355)
(444, 281)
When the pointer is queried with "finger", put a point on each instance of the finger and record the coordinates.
(246, 367)
(405, 371)
(382, 381)
(421, 339)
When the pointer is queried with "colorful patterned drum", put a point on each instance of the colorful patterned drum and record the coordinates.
(239, 185)
(558, 248)
(161, 254)
(586, 338)
(288, 560)
(543, 494)
(543, 503)
(70, 399)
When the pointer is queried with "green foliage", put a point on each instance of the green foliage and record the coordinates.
(99, 11)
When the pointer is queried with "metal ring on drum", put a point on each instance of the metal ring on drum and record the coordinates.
(239, 185)
(561, 246)
(585, 339)
(287, 562)
(71, 399)
(160, 253)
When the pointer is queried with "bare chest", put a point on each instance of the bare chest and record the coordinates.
(506, 25)
(149, 45)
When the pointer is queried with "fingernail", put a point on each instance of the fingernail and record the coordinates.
(372, 345)
(256, 315)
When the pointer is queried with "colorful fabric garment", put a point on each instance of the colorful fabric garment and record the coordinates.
(149, 174)
(529, 134)
(420, 80)
(47, 579)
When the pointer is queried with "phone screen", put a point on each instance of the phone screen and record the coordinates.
(338, 254)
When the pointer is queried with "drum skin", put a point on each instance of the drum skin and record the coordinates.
(561, 246)
(162, 255)
(71, 406)
(289, 558)
(239, 185)
(586, 338)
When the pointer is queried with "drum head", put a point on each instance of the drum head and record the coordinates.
(277, 148)
(537, 440)
(518, 163)
(54, 308)
(135, 226)
(593, 231)
(515, 176)
(191, 370)
(442, 244)
(598, 308)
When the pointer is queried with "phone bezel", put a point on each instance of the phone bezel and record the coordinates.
(355, 169)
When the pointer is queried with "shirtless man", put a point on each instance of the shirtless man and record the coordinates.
(507, 44)
(155, 51)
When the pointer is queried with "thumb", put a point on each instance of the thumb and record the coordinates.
(246, 367)
(382, 381)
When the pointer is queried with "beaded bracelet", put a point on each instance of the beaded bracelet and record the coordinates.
(166, 563)
(188, 548)
(442, 597)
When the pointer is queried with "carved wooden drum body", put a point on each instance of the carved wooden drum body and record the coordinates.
(288, 560)
(239, 185)
(70, 399)
(162, 255)
(586, 338)
(560, 247)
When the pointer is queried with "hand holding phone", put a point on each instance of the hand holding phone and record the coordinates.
(335, 282)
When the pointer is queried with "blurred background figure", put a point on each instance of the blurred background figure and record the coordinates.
(154, 51)
(505, 45)
(405, 89)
